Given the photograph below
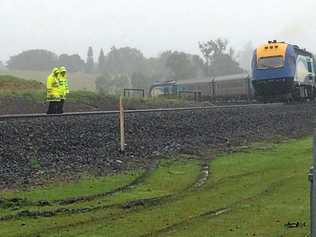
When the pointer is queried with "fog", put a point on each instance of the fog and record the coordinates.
(152, 26)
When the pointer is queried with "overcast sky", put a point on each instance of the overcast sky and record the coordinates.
(153, 26)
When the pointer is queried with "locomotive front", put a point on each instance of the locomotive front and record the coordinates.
(273, 71)
(282, 71)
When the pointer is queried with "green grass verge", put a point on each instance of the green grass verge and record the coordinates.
(260, 190)
(77, 81)
(84, 186)
(284, 200)
(11, 83)
(171, 177)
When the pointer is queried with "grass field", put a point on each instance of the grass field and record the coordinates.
(77, 81)
(11, 83)
(254, 192)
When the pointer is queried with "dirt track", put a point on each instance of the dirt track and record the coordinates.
(19, 105)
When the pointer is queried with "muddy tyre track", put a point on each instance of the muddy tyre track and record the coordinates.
(147, 202)
(216, 212)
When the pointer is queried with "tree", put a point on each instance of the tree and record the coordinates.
(101, 62)
(102, 83)
(219, 59)
(90, 61)
(225, 65)
(199, 66)
(213, 48)
(125, 61)
(174, 65)
(35, 59)
(73, 63)
(140, 81)
(120, 82)
(112, 84)
(180, 66)
(158, 67)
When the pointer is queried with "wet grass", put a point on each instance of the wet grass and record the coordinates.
(170, 177)
(281, 174)
(79, 80)
(254, 192)
(85, 186)
(11, 83)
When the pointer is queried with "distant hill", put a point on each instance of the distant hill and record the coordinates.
(14, 84)
(77, 81)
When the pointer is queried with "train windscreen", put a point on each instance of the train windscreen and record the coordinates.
(270, 62)
(157, 91)
(166, 89)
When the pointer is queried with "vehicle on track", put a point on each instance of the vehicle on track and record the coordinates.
(230, 87)
(283, 72)
(280, 72)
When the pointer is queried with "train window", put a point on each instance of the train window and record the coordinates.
(292, 61)
(166, 90)
(270, 62)
(174, 89)
(310, 67)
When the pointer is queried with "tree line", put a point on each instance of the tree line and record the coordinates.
(128, 67)
(43, 60)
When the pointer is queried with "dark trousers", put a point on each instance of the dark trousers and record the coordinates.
(60, 108)
(53, 107)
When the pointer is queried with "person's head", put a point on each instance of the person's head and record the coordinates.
(55, 71)
(63, 71)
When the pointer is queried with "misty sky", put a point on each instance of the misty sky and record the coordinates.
(153, 26)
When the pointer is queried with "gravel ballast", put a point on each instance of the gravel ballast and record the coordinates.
(33, 151)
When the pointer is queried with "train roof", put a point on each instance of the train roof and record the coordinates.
(163, 83)
(275, 48)
(200, 80)
(232, 77)
(219, 78)
(302, 51)
(203, 80)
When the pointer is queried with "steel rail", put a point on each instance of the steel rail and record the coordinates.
(70, 114)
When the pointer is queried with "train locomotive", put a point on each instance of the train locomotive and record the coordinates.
(280, 72)
(283, 72)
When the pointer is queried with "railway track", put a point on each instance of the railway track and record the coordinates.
(75, 142)
(71, 114)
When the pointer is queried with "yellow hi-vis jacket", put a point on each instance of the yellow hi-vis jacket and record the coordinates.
(52, 86)
(63, 86)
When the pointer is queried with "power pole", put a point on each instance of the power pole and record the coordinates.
(312, 179)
